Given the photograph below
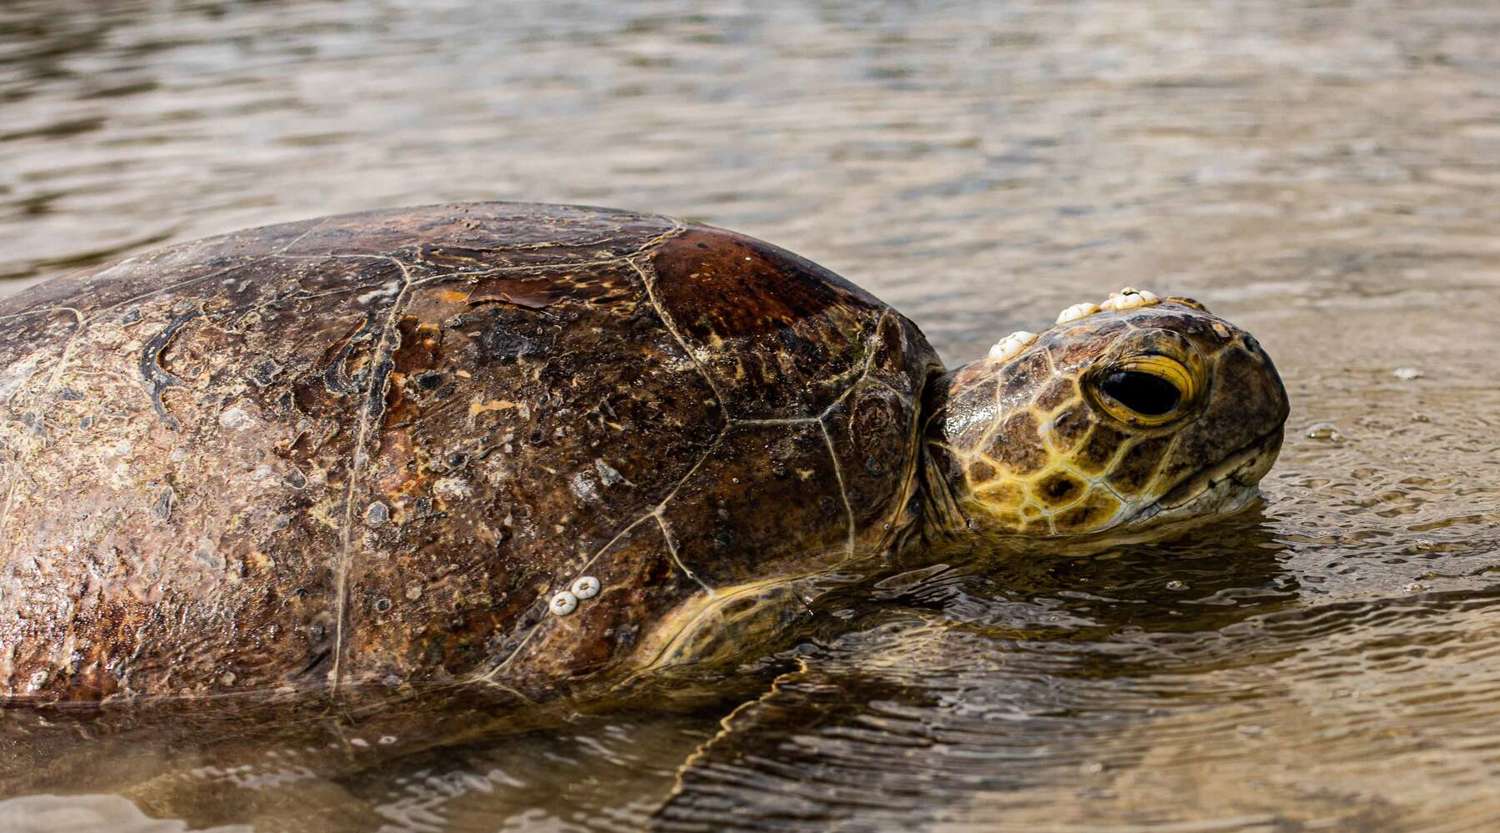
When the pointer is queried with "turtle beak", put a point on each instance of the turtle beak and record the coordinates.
(1226, 486)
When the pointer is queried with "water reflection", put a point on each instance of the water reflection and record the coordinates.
(88, 814)
(998, 672)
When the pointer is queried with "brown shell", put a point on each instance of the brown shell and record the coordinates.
(364, 451)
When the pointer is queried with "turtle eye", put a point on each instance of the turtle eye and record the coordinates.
(1141, 392)
(1148, 390)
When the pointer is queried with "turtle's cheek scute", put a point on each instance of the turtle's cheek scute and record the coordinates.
(1247, 404)
(1262, 405)
(1059, 489)
(1097, 512)
(1068, 429)
(1099, 450)
(1136, 466)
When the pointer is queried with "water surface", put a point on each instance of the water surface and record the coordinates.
(1323, 173)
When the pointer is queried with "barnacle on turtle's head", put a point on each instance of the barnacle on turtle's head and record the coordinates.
(1123, 416)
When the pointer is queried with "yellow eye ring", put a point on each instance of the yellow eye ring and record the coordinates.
(1145, 390)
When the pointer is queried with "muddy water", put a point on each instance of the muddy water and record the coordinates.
(1322, 173)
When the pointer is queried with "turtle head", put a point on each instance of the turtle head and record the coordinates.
(1122, 417)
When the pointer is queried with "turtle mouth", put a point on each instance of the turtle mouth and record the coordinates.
(1218, 489)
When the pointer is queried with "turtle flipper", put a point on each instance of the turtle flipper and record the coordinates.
(798, 725)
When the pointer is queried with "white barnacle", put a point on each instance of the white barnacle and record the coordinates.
(390, 288)
(609, 474)
(1011, 346)
(1129, 298)
(1077, 311)
(583, 486)
(453, 488)
(563, 603)
(235, 418)
(377, 513)
(586, 587)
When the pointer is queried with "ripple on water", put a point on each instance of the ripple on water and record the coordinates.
(1288, 720)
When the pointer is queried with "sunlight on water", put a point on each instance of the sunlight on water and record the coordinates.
(1322, 173)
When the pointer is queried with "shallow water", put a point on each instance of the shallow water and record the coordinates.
(1321, 173)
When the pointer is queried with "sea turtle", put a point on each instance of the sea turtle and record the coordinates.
(534, 449)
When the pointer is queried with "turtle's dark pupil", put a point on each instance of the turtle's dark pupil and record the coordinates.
(1141, 392)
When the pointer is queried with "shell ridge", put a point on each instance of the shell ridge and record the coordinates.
(79, 322)
(16, 392)
(315, 227)
(649, 284)
(375, 390)
(666, 532)
(838, 474)
(650, 246)
(162, 290)
(864, 372)
(777, 421)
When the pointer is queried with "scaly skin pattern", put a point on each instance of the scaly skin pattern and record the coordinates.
(361, 453)
(1025, 444)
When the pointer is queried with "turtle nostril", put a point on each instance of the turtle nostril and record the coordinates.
(1144, 393)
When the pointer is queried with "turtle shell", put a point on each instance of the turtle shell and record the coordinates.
(365, 451)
